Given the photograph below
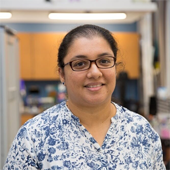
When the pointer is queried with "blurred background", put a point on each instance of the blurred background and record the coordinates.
(30, 34)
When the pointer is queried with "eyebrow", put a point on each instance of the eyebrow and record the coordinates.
(85, 57)
(105, 54)
(79, 56)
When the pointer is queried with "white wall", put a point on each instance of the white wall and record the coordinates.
(168, 47)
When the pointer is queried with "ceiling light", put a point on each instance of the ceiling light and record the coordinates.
(5, 15)
(87, 16)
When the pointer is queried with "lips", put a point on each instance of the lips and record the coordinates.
(92, 85)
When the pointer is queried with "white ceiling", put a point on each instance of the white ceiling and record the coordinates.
(38, 10)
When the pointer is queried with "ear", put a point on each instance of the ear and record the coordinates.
(116, 71)
(61, 74)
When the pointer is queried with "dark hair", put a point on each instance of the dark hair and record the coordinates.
(87, 31)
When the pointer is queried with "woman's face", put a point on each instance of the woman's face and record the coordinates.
(93, 86)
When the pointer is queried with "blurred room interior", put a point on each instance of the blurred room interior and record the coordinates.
(29, 38)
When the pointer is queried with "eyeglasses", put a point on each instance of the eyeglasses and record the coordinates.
(85, 64)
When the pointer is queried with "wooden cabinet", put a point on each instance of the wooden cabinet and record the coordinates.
(45, 55)
(128, 54)
(25, 53)
(38, 54)
(26, 117)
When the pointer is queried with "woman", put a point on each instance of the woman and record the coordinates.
(87, 131)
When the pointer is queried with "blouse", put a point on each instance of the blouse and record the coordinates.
(55, 140)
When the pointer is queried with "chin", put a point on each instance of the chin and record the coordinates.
(96, 102)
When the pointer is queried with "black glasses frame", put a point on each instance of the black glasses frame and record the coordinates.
(70, 63)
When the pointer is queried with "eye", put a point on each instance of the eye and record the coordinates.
(105, 61)
(79, 64)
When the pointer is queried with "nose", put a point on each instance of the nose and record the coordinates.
(94, 71)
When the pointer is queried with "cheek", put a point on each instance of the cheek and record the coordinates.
(111, 75)
(111, 79)
(73, 80)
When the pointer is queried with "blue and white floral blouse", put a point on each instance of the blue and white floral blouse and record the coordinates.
(56, 140)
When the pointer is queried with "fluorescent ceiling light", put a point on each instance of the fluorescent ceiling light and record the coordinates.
(87, 16)
(5, 15)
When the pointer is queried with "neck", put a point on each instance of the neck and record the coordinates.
(93, 116)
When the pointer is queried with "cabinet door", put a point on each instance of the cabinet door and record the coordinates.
(128, 54)
(25, 54)
(38, 54)
(45, 51)
(26, 117)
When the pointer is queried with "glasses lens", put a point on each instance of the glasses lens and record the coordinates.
(80, 65)
(105, 62)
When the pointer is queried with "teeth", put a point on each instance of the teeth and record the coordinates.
(95, 86)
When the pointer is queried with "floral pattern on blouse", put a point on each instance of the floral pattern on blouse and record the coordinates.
(55, 140)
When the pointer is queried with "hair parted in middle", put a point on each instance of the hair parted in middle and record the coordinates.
(87, 31)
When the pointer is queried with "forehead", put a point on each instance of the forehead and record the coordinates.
(93, 42)
(88, 47)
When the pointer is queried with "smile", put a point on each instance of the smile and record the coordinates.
(94, 86)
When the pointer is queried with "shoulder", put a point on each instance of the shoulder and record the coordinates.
(37, 129)
(47, 118)
(130, 116)
(136, 124)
